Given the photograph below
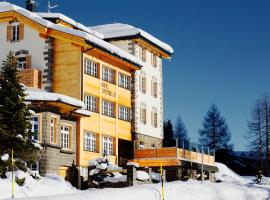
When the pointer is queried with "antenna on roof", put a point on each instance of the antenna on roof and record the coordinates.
(51, 7)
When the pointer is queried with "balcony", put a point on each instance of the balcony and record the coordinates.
(31, 77)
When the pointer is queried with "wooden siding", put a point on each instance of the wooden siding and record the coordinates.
(66, 69)
(31, 77)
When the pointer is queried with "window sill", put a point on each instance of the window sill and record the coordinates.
(91, 75)
(90, 151)
(67, 151)
(109, 116)
(124, 120)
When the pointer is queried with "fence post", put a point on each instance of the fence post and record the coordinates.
(131, 175)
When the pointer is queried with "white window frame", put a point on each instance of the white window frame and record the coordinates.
(90, 67)
(143, 115)
(108, 108)
(124, 113)
(107, 144)
(65, 137)
(123, 81)
(91, 103)
(52, 129)
(108, 74)
(15, 32)
(84, 172)
(33, 129)
(21, 63)
(90, 141)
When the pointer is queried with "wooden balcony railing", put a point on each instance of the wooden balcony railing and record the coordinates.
(31, 77)
(175, 153)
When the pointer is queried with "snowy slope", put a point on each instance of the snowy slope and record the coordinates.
(226, 174)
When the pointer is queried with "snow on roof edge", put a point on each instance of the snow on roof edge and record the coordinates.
(119, 30)
(6, 7)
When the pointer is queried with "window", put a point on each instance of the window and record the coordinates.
(124, 81)
(142, 53)
(143, 82)
(141, 145)
(15, 32)
(84, 172)
(90, 142)
(52, 130)
(107, 145)
(24, 62)
(154, 87)
(65, 137)
(124, 113)
(153, 59)
(108, 74)
(90, 103)
(90, 68)
(154, 116)
(108, 108)
(143, 114)
(35, 127)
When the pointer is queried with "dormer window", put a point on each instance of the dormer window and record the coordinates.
(15, 32)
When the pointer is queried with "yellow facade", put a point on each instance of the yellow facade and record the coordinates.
(100, 124)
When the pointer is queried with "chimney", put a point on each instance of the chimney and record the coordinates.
(31, 5)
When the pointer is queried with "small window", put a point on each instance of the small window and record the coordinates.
(24, 62)
(141, 145)
(107, 145)
(53, 130)
(124, 81)
(15, 32)
(90, 103)
(124, 113)
(108, 74)
(154, 116)
(108, 108)
(153, 59)
(35, 127)
(65, 137)
(154, 88)
(90, 68)
(90, 142)
(143, 83)
(84, 172)
(153, 145)
(142, 53)
(143, 114)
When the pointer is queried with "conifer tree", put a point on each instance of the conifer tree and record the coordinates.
(215, 132)
(168, 139)
(14, 113)
(180, 131)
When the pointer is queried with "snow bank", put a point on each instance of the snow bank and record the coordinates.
(49, 185)
(142, 176)
(226, 174)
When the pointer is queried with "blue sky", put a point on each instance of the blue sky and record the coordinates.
(222, 52)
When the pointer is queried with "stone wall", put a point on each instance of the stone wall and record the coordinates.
(148, 141)
(52, 156)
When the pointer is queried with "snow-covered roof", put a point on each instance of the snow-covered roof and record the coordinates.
(119, 30)
(35, 94)
(69, 21)
(89, 38)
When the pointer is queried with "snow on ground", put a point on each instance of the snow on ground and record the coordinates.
(50, 185)
(233, 187)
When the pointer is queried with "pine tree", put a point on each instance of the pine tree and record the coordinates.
(14, 113)
(168, 139)
(180, 131)
(215, 132)
(255, 131)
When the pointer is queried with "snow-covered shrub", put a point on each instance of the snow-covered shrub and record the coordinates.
(142, 176)
(102, 170)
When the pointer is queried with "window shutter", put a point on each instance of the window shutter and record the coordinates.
(9, 33)
(152, 87)
(28, 62)
(144, 54)
(21, 31)
(152, 118)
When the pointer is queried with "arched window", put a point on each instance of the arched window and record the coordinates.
(154, 117)
(143, 82)
(24, 59)
(143, 113)
(154, 87)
